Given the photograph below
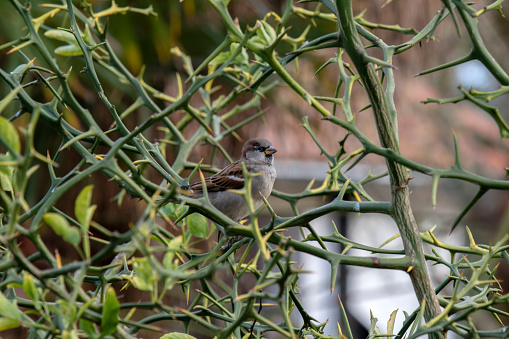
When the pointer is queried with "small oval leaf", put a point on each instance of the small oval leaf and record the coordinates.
(111, 307)
(61, 227)
(61, 35)
(68, 50)
(172, 210)
(82, 204)
(29, 287)
(9, 134)
(6, 178)
(198, 225)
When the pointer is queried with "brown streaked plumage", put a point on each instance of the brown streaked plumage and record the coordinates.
(257, 155)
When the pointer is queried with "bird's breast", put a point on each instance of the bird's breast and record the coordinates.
(263, 183)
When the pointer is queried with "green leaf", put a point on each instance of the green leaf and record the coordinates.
(144, 276)
(111, 307)
(82, 208)
(198, 225)
(6, 178)
(68, 50)
(84, 213)
(6, 323)
(88, 37)
(173, 211)
(176, 335)
(72, 48)
(373, 329)
(391, 321)
(61, 35)
(9, 310)
(9, 135)
(29, 287)
(70, 334)
(61, 227)
(261, 37)
(88, 327)
(19, 72)
(173, 247)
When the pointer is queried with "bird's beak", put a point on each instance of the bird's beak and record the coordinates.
(270, 150)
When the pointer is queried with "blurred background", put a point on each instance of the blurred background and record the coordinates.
(425, 129)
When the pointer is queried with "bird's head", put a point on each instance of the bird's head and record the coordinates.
(259, 149)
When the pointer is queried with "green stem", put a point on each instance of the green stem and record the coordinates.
(479, 49)
(401, 208)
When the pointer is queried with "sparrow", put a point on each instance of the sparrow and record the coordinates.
(257, 156)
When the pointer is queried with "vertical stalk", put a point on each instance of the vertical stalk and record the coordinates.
(387, 132)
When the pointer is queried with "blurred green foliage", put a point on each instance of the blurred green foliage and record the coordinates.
(101, 101)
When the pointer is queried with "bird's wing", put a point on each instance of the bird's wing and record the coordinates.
(230, 177)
